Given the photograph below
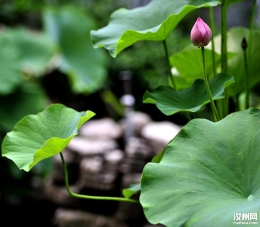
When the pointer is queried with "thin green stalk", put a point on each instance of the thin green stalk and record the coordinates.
(211, 15)
(226, 102)
(220, 107)
(247, 53)
(187, 114)
(224, 9)
(223, 36)
(238, 106)
(244, 47)
(169, 65)
(89, 196)
(220, 103)
(214, 109)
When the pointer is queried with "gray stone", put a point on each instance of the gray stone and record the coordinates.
(93, 165)
(58, 170)
(112, 160)
(70, 157)
(114, 156)
(74, 218)
(150, 225)
(103, 182)
(88, 147)
(102, 128)
(137, 154)
(138, 148)
(132, 166)
(129, 211)
(159, 134)
(138, 121)
(59, 195)
(94, 175)
(131, 178)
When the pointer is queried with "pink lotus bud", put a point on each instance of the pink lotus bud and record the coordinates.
(200, 33)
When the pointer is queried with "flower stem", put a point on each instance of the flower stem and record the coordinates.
(220, 103)
(247, 53)
(224, 50)
(246, 71)
(214, 109)
(168, 65)
(187, 114)
(223, 36)
(220, 107)
(89, 196)
(211, 15)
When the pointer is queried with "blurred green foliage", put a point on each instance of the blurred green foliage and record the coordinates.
(145, 58)
(31, 50)
(40, 37)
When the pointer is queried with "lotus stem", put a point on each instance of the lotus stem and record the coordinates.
(214, 109)
(169, 65)
(211, 15)
(89, 196)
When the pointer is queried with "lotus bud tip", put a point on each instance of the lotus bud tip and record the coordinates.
(200, 33)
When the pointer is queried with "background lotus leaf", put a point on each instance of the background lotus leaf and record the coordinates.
(69, 28)
(151, 22)
(169, 101)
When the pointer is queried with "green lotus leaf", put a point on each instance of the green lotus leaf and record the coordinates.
(169, 101)
(208, 175)
(37, 137)
(69, 28)
(191, 56)
(35, 50)
(10, 74)
(28, 98)
(23, 52)
(157, 158)
(151, 22)
(132, 190)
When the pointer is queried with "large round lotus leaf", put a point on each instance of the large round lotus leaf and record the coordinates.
(209, 172)
(41, 136)
(151, 22)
